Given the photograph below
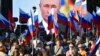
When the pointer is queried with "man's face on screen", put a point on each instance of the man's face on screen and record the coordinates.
(47, 5)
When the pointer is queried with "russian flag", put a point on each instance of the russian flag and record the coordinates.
(31, 30)
(11, 20)
(23, 17)
(97, 45)
(70, 24)
(62, 19)
(96, 21)
(51, 19)
(73, 16)
(36, 19)
(84, 23)
(87, 17)
(56, 27)
(4, 23)
(73, 22)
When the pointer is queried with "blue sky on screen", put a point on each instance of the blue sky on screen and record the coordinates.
(25, 5)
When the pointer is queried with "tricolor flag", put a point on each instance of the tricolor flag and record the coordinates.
(97, 45)
(96, 21)
(62, 19)
(56, 27)
(96, 18)
(51, 19)
(84, 23)
(23, 17)
(4, 23)
(74, 23)
(86, 15)
(73, 15)
(36, 19)
(31, 30)
(70, 24)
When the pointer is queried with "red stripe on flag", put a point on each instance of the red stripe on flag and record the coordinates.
(11, 20)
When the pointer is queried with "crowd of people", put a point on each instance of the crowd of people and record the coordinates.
(81, 43)
(77, 46)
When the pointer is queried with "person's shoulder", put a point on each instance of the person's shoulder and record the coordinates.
(3, 54)
(41, 25)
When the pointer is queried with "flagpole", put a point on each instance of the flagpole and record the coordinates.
(52, 28)
(20, 28)
(34, 8)
(32, 31)
(69, 19)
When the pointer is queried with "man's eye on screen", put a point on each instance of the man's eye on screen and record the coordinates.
(46, 5)
(53, 6)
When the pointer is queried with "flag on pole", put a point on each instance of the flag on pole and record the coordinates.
(73, 16)
(97, 45)
(31, 30)
(36, 19)
(74, 23)
(84, 23)
(96, 21)
(51, 19)
(62, 19)
(23, 17)
(4, 23)
(72, 20)
(56, 27)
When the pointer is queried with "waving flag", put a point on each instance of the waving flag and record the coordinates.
(97, 45)
(36, 19)
(51, 19)
(96, 21)
(73, 16)
(70, 23)
(74, 23)
(23, 17)
(85, 17)
(31, 30)
(84, 23)
(96, 18)
(62, 19)
(4, 23)
(11, 20)
(56, 26)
